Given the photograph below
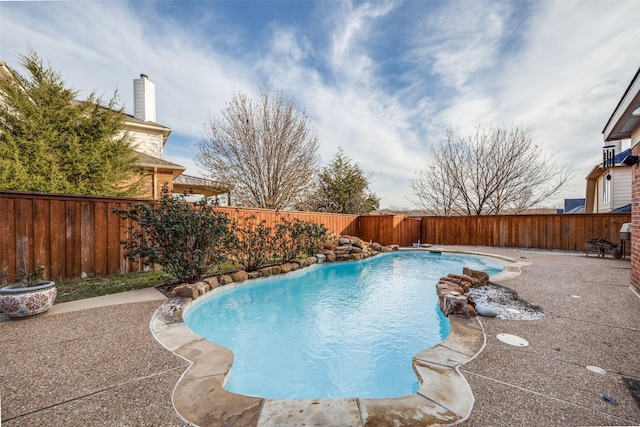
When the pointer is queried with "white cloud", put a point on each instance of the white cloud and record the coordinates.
(561, 66)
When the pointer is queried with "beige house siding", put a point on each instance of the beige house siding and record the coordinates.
(620, 190)
(621, 187)
(147, 143)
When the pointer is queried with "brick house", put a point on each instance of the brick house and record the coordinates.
(149, 139)
(624, 123)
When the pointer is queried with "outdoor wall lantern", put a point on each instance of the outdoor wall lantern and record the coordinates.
(630, 160)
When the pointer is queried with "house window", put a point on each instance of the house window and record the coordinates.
(606, 189)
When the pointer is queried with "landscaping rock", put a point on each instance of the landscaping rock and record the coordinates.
(254, 274)
(276, 269)
(481, 276)
(266, 271)
(286, 267)
(212, 281)
(312, 260)
(295, 266)
(331, 256)
(321, 258)
(453, 303)
(185, 290)
(239, 276)
(344, 241)
(225, 279)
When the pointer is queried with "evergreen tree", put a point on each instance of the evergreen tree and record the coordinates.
(342, 187)
(52, 143)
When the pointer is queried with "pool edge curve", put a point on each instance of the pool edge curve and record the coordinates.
(199, 397)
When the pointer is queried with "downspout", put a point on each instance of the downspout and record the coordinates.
(154, 190)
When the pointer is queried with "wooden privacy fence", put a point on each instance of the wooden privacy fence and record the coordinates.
(77, 236)
(567, 232)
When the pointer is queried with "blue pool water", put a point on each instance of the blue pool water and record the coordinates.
(345, 329)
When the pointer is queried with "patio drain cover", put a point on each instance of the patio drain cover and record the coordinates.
(512, 340)
(596, 369)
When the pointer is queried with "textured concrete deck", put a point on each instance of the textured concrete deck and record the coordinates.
(102, 366)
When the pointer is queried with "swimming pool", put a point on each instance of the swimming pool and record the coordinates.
(335, 330)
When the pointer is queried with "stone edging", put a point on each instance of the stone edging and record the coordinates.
(444, 396)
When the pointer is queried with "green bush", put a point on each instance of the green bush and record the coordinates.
(252, 243)
(299, 238)
(187, 239)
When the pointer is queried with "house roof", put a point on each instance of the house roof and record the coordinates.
(135, 122)
(625, 208)
(622, 120)
(147, 161)
(188, 184)
(599, 170)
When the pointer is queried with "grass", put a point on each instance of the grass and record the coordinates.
(75, 289)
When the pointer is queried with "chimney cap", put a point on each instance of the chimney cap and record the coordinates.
(144, 76)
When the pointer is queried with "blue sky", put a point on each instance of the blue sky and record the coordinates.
(383, 80)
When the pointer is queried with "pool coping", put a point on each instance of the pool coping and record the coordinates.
(444, 396)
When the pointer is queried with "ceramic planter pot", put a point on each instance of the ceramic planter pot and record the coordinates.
(17, 302)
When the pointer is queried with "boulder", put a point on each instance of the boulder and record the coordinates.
(213, 282)
(239, 276)
(344, 241)
(295, 266)
(286, 267)
(266, 271)
(453, 303)
(376, 246)
(321, 258)
(355, 250)
(254, 274)
(394, 247)
(445, 284)
(225, 279)
(202, 287)
(330, 246)
(357, 256)
(344, 248)
(481, 276)
(330, 256)
(185, 290)
(312, 260)
(341, 256)
(276, 269)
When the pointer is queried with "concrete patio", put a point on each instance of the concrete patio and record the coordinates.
(95, 362)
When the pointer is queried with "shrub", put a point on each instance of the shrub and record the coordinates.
(299, 238)
(252, 242)
(187, 239)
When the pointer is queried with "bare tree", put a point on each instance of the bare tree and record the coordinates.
(493, 171)
(263, 146)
